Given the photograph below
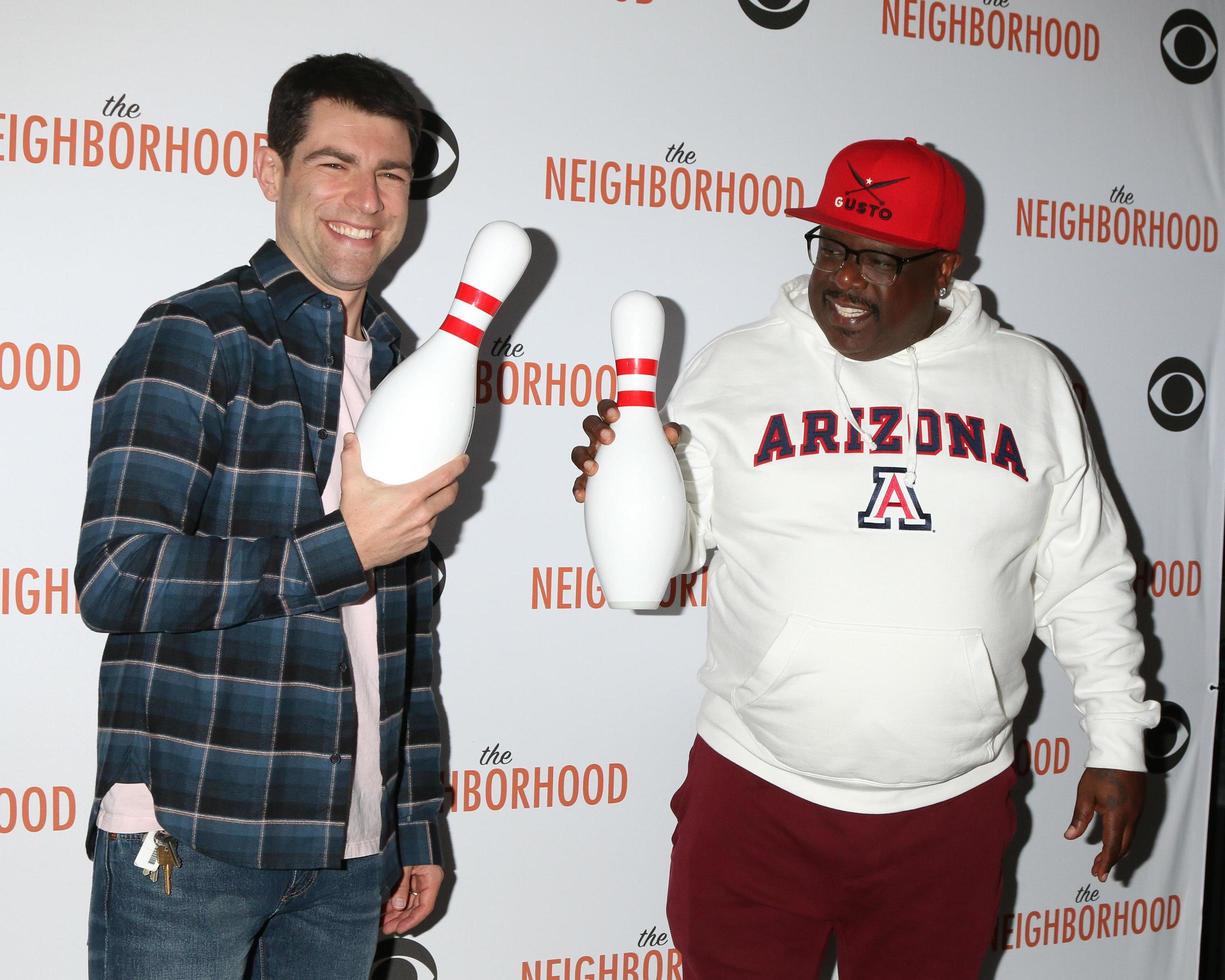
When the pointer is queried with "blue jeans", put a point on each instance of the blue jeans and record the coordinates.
(224, 922)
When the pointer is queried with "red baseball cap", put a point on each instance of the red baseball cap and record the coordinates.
(896, 191)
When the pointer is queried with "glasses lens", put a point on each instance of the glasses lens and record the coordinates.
(878, 268)
(826, 255)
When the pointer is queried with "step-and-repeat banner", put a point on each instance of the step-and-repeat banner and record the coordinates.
(646, 144)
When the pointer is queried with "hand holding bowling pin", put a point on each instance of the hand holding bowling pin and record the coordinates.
(600, 432)
(635, 513)
(388, 522)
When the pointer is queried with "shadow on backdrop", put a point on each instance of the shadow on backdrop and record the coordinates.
(1157, 742)
(486, 425)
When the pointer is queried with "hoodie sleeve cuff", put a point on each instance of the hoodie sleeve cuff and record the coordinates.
(1119, 744)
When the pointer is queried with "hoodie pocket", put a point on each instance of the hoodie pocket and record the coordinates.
(885, 705)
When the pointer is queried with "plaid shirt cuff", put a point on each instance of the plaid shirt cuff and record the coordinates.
(330, 562)
(419, 843)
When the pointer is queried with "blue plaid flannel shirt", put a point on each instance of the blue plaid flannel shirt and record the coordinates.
(206, 556)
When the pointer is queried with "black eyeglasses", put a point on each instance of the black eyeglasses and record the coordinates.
(880, 268)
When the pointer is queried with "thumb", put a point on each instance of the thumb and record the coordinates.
(399, 898)
(1082, 814)
(351, 456)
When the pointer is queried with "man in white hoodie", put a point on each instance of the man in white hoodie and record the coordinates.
(898, 494)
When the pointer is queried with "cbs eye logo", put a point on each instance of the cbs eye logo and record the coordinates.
(1176, 394)
(1165, 745)
(401, 958)
(1188, 46)
(774, 14)
(437, 158)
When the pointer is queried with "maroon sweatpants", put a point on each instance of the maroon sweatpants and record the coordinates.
(760, 878)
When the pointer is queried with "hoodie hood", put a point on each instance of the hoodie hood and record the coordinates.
(967, 324)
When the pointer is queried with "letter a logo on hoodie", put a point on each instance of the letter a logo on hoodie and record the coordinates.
(891, 498)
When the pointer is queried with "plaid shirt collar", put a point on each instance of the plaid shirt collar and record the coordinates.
(287, 289)
(311, 326)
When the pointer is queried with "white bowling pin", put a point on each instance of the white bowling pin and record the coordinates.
(421, 414)
(635, 504)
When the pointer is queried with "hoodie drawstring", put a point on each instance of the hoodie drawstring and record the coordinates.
(844, 403)
(912, 421)
(911, 410)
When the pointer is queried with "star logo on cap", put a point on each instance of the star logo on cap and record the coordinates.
(870, 184)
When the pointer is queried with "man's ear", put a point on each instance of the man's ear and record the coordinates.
(948, 265)
(269, 171)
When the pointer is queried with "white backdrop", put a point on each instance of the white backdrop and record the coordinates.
(569, 118)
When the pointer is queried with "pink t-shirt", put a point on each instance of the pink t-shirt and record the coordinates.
(127, 808)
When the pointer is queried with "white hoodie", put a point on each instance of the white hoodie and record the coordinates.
(874, 587)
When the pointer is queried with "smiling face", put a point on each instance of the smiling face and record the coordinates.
(865, 322)
(342, 198)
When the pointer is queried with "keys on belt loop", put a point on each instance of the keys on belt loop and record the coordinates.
(167, 858)
(159, 856)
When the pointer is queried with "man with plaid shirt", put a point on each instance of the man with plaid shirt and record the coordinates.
(267, 727)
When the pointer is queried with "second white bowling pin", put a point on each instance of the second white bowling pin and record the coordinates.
(635, 510)
(421, 414)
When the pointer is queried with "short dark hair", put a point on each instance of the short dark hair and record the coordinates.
(351, 79)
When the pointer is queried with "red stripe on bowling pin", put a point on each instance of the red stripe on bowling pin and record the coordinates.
(463, 330)
(636, 399)
(637, 365)
(474, 297)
